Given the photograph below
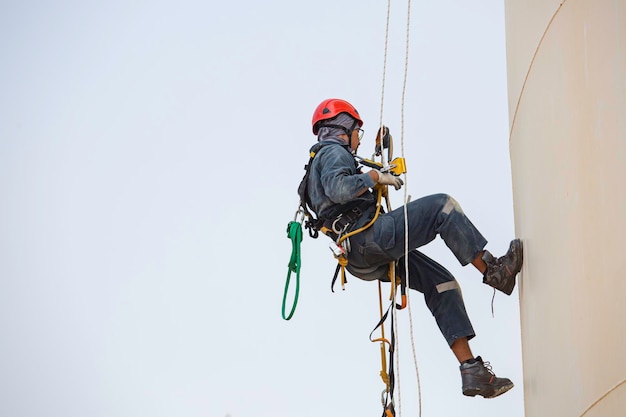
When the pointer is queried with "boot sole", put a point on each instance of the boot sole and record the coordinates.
(490, 393)
(521, 255)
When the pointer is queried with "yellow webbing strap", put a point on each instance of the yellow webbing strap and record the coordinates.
(343, 262)
(383, 355)
(378, 200)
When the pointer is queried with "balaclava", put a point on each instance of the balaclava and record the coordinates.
(342, 119)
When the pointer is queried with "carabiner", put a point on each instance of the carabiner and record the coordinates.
(302, 214)
(336, 229)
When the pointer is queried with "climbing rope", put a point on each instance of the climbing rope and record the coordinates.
(382, 92)
(388, 392)
(294, 232)
(394, 349)
(406, 219)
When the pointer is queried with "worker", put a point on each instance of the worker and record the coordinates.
(343, 198)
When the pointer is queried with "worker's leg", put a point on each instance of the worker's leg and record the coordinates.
(461, 350)
(437, 214)
(443, 298)
(442, 295)
(440, 214)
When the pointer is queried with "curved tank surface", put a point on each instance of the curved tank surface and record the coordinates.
(566, 63)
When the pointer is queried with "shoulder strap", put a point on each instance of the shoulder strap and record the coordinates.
(313, 222)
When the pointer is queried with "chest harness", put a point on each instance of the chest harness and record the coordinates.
(339, 222)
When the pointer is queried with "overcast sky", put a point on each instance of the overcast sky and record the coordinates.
(150, 153)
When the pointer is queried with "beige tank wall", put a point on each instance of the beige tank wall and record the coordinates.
(567, 104)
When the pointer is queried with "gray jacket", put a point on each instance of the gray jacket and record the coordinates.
(334, 180)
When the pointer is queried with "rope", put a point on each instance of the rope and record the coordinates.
(383, 372)
(406, 199)
(382, 93)
(406, 226)
(294, 232)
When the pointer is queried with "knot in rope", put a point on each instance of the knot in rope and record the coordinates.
(385, 377)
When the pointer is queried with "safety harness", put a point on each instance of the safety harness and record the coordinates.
(339, 224)
(335, 220)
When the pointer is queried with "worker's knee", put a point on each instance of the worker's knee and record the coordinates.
(450, 204)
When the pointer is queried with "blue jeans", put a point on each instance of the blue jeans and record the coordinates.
(383, 242)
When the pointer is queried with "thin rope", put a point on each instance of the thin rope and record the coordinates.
(406, 199)
(406, 221)
(382, 92)
(380, 130)
(406, 227)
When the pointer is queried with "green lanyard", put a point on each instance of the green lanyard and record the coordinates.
(294, 232)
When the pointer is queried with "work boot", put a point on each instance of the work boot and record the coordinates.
(501, 272)
(478, 379)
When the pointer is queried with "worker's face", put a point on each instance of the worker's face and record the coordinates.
(355, 138)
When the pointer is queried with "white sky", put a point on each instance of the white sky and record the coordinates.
(149, 158)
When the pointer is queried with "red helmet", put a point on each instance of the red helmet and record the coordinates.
(330, 108)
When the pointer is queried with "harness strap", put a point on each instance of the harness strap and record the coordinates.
(313, 222)
(335, 226)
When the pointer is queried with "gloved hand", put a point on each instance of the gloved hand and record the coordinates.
(386, 178)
